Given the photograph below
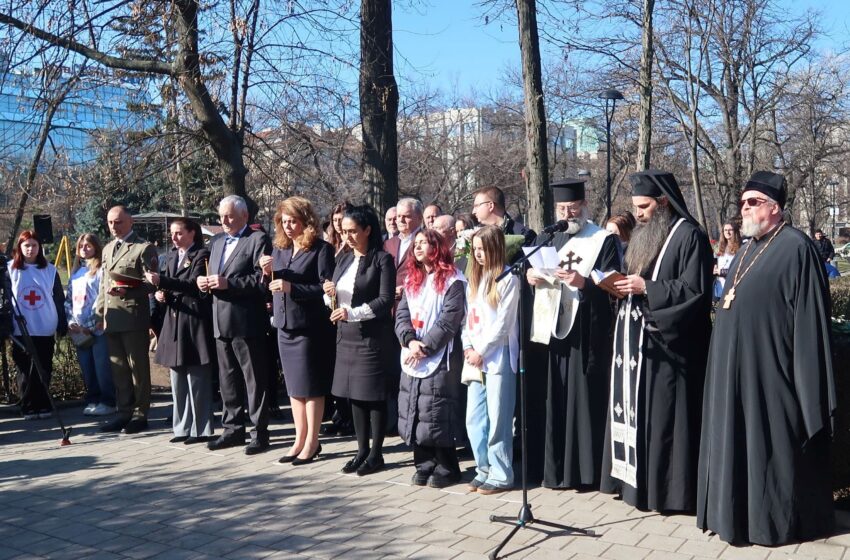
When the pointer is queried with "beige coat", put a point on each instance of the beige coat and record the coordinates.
(132, 311)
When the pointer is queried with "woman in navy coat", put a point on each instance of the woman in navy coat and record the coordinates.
(299, 264)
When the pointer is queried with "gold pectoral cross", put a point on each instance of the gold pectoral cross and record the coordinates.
(727, 299)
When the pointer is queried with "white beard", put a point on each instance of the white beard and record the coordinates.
(751, 228)
(575, 225)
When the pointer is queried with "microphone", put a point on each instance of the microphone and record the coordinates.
(557, 227)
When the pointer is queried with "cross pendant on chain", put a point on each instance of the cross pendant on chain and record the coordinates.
(727, 300)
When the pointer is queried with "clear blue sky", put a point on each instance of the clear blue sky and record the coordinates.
(448, 42)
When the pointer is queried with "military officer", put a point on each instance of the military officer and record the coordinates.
(123, 311)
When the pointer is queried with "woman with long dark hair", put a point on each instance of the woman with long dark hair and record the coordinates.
(92, 350)
(428, 325)
(39, 298)
(186, 344)
(361, 296)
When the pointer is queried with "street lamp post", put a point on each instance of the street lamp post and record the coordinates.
(610, 96)
(834, 209)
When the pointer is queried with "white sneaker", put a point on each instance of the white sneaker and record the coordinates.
(89, 409)
(103, 410)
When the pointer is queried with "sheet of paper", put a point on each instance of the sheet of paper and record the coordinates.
(544, 262)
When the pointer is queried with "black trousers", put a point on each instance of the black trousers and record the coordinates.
(242, 369)
(33, 392)
(441, 461)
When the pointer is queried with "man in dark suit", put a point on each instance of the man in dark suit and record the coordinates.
(445, 225)
(122, 311)
(240, 322)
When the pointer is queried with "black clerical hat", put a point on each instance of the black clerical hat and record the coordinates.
(656, 183)
(567, 190)
(770, 184)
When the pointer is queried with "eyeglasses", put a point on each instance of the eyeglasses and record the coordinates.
(482, 202)
(752, 202)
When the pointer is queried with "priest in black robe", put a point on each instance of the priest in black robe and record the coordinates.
(577, 343)
(662, 333)
(764, 466)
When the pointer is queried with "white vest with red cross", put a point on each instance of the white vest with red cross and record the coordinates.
(425, 309)
(33, 291)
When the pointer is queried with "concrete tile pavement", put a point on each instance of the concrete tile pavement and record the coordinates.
(115, 496)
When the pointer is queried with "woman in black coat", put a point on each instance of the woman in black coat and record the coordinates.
(299, 264)
(428, 325)
(185, 343)
(361, 297)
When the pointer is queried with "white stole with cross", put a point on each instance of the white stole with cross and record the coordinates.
(33, 290)
(626, 369)
(424, 308)
(555, 303)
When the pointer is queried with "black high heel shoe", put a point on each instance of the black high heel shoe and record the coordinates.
(296, 461)
(288, 458)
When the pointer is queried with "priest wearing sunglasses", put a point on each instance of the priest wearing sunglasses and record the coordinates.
(764, 466)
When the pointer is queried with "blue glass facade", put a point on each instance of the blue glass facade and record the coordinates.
(92, 106)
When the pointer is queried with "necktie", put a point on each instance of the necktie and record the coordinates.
(117, 247)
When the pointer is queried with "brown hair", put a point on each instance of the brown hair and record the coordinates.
(335, 238)
(299, 208)
(493, 241)
(730, 246)
(18, 255)
(493, 193)
(94, 262)
(625, 222)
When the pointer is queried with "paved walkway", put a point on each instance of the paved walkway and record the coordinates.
(112, 496)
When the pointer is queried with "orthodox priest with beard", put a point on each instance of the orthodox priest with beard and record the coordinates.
(661, 339)
(764, 465)
(573, 317)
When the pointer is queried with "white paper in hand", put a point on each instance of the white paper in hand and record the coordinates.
(544, 262)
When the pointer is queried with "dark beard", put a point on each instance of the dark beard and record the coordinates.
(647, 240)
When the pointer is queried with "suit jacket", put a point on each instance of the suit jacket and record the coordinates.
(240, 310)
(392, 246)
(186, 338)
(374, 285)
(132, 311)
(303, 307)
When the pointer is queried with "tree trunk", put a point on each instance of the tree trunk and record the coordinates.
(644, 155)
(226, 144)
(378, 104)
(537, 161)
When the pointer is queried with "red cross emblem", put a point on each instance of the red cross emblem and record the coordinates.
(417, 322)
(473, 319)
(32, 297)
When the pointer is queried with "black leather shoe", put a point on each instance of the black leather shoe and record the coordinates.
(115, 425)
(370, 466)
(193, 440)
(135, 426)
(440, 481)
(223, 442)
(353, 465)
(178, 439)
(297, 461)
(256, 446)
(420, 478)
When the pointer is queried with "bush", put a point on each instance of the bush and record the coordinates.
(67, 381)
(840, 290)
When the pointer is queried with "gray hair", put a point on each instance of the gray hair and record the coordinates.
(412, 203)
(237, 202)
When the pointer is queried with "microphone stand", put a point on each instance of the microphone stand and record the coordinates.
(27, 345)
(525, 517)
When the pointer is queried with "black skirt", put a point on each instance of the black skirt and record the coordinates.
(307, 359)
(361, 364)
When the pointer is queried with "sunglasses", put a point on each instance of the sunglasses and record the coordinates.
(752, 202)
